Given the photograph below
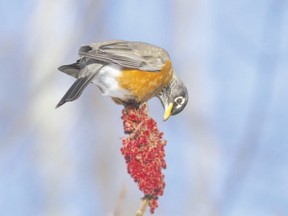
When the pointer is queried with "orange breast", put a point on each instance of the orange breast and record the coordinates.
(146, 84)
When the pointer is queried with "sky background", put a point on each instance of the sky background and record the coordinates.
(227, 151)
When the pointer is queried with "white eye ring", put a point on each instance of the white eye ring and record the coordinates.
(179, 101)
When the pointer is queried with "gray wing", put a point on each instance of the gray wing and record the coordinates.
(135, 55)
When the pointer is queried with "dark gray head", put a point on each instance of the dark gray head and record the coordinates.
(173, 97)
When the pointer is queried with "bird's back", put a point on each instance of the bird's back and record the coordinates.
(144, 68)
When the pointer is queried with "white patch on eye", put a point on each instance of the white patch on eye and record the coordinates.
(179, 101)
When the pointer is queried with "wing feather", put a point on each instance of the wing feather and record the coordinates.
(134, 55)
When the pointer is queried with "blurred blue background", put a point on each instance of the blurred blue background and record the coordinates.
(226, 152)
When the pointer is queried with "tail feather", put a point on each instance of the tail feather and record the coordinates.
(84, 77)
(75, 90)
(71, 69)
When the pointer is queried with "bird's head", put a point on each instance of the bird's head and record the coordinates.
(173, 97)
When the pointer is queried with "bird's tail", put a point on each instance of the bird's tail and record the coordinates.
(85, 76)
(75, 90)
(71, 69)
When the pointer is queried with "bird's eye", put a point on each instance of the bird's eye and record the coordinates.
(179, 100)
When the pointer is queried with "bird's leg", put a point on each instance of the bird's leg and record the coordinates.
(127, 103)
(134, 103)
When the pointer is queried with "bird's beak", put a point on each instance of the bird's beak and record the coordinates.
(167, 112)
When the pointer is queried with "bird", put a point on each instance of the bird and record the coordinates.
(130, 72)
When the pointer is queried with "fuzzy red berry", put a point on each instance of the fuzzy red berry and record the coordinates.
(143, 150)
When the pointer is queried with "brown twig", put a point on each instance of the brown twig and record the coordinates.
(144, 204)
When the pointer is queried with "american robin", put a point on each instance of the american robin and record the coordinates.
(129, 72)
